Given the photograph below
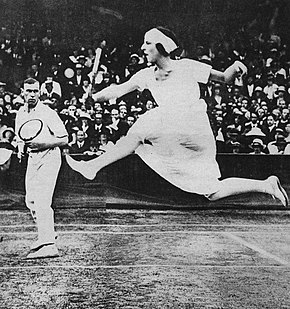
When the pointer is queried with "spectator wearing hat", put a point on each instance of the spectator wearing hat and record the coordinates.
(277, 115)
(7, 147)
(99, 127)
(5, 95)
(149, 105)
(279, 144)
(284, 120)
(271, 88)
(93, 151)
(216, 98)
(78, 79)
(82, 143)
(238, 120)
(278, 71)
(236, 95)
(280, 95)
(259, 95)
(57, 70)
(249, 86)
(117, 126)
(86, 90)
(34, 72)
(50, 87)
(130, 120)
(133, 66)
(253, 123)
(257, 146)
(82, 60)
(269, 129)
(84, 123)
(73, 58)
(232, 137)
(104, 144)
(261, 115)
(245, 104)
(123, 111)
(219, 133)
(281, 104)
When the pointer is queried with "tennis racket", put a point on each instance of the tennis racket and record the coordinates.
(30, 129)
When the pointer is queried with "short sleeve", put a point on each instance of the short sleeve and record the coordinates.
(140, 78)
(200, 71)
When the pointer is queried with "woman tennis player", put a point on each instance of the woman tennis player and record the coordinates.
(175, 139)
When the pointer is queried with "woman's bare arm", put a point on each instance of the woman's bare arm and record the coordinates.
(115, 91)
(229, 74)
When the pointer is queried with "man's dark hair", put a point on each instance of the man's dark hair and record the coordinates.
(30, 81)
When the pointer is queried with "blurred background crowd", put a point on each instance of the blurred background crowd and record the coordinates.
(57, 42)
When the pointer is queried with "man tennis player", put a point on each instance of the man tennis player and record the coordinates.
(41, 132)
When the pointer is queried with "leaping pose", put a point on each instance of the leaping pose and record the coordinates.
(175, 139)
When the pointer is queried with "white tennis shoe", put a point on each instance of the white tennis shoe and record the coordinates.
(44, 251)
(81, 167)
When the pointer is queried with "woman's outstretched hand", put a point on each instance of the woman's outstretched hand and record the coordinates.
(240, 68)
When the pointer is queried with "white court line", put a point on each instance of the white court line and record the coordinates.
(257, 249)
(119, 232)
(138, 232)
(141, 266)
(153, 225)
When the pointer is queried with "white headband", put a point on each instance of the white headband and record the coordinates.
(156, 36)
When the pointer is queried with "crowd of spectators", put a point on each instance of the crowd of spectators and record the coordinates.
(251, 115)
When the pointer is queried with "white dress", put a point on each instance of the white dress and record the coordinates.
(178, 142)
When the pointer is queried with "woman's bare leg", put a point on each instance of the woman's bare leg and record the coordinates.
(234, 186)
(124, 147)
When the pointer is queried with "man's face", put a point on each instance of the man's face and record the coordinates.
(80, 136)
(31, 94)
(281, 104)
(244, 104)
(261, 113)
(276, 113)
(72, 110)
(254, 118)
(115, 114)
(103, 139)
(270, 121)
(98, 119)
(99, 110)
(285, 113)
(123, 113)
(34, 67)
(96, 105)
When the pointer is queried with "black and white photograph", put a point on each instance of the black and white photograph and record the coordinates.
(144, 154)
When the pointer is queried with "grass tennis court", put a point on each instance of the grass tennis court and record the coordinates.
(226, 258)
